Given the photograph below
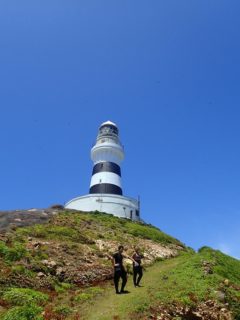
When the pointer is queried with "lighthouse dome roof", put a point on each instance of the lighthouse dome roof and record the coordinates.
(108, 123)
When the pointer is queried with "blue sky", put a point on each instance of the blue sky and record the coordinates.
(167, 72)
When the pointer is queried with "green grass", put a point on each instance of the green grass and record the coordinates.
(181, 279)
(51, 232)
(88, 294)
(99, 225)
(78, 227)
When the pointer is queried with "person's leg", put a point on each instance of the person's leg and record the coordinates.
(117, 275)
(124, 280)
(135, 276)
(140, 274)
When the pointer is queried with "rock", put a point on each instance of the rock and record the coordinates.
(49, 263)
(207, 267)
(52, 263)
(226, 282)
(36, 244)
(40, 275)
(220, 296)
(59, 271)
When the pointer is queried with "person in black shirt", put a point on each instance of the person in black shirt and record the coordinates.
(137, 267)
(119, 270)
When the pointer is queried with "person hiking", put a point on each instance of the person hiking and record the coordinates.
(137, 267)
(119, 270)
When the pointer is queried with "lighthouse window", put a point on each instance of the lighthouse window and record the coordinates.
(137, 213)
(131, 213)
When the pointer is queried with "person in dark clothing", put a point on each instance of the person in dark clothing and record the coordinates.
(137, 267)
(119, 270)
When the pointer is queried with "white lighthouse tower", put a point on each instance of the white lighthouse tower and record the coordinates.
(105, 194)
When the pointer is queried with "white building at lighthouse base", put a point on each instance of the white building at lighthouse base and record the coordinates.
(120, 206)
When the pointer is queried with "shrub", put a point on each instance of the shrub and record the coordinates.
(22, 296)
(20, 269)
(3, 248)
(14, 253)
(59, 289)
(30, 312)
(63, 310)
(66, 285)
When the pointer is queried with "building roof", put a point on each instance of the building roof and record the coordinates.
(108, 123)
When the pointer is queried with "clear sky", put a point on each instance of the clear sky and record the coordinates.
(167, 72)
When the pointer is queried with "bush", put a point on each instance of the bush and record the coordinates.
(30, 312)
(3, 248)
(63, 310)
(14, 253)
(22, 296)
(20, 269)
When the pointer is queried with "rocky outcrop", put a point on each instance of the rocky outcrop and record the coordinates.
(23, 218)
(208, 310)
(152, 250)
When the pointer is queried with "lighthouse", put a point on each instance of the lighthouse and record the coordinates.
(107, 155)
(106, 193)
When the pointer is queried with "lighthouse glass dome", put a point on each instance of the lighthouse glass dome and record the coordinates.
(105, 193)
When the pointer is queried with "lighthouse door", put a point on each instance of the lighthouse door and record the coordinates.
(131, 213)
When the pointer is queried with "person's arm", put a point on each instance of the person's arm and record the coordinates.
(110, 258)
(134, 261)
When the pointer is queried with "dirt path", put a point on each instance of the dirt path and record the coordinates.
(110, 306)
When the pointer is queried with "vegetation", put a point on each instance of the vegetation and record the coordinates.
(25, 312)
(88, 294)
(193, 278)
(24, 296)
(85, 227)
(13, 253)
(47, 272)
(185, 281)
(25, 304)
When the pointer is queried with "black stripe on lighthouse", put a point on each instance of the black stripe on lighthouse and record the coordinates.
(104, 178)
(106, 167)
(106, 188)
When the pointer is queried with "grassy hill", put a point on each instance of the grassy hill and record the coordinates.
(61, 270)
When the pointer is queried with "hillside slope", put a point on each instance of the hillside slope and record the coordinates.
(61, 270)
(190, 286)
